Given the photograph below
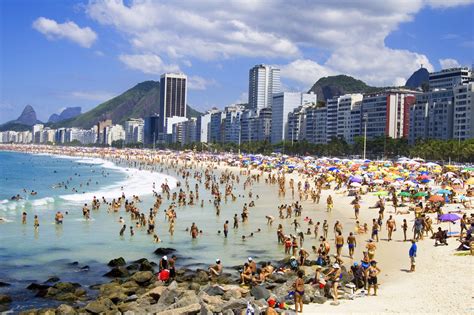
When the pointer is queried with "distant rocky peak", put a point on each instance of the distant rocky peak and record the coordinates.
(28, 116)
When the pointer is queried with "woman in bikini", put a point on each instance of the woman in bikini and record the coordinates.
(299, 292)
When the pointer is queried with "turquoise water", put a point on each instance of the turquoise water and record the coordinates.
(28, 256)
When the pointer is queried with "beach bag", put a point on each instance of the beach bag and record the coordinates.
(164, 275)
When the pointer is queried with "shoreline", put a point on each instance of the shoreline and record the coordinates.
(394, 282)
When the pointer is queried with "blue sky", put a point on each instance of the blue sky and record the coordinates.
(56, 54)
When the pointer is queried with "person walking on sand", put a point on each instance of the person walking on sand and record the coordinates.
(405, 228)
(391, 226)
(329, 203)
(412, 254)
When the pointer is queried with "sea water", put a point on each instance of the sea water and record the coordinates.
(67, 250)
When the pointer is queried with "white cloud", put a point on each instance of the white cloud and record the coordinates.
(199, 83)
(449, 63)
(98, 96)
(53, 30)
(350, 33)
(305, 71)
(148, 63)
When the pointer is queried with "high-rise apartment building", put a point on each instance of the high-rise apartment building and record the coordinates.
(264, 82)
(463, 112)
(283, 104)
(173, 97)
(449, 78)
(151, 129)
(387, 113)
(431, 116)
(134, 129)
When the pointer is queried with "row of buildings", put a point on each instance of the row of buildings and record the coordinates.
(445, 111)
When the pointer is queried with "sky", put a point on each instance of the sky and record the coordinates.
(56, 54)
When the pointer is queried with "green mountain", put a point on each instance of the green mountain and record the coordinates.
(329, 87)
(138, 102)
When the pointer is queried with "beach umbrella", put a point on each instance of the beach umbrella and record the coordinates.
(356, 179)
(449, 217)
(470, 181)
(425, 180)
(355, 184)
(404, 194)
(421, 194)
(381, 193)
(468, 169)
(436, 198)
(443, 191)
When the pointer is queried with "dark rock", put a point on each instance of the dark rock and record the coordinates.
(37, 286)
(66, 286)
(4, 299)
(68, 296)
(117, 272)
(133, 267)
(85, 268)
(164, 251)
(4, 284)
(117, 262)
(52, 280)
(214, 290)
(146, 266)
(260, 292)
(201, 277)
(142, 277)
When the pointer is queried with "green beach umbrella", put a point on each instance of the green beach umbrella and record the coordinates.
(404, 194)
(469, 169)
(421, 194)
(381, 193)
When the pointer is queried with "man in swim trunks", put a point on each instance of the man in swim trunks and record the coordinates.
(339, 242)
(351, 243)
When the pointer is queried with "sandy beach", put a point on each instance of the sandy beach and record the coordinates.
(441, 284)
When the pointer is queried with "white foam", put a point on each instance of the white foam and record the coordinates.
(42, 201)
(137, 182)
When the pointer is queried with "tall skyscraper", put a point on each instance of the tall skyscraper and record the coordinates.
(264, 81)
(173, 97)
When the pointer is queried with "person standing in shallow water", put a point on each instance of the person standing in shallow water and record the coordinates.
(194, 230)
(226, 228)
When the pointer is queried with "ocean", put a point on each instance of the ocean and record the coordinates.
(65, 250)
